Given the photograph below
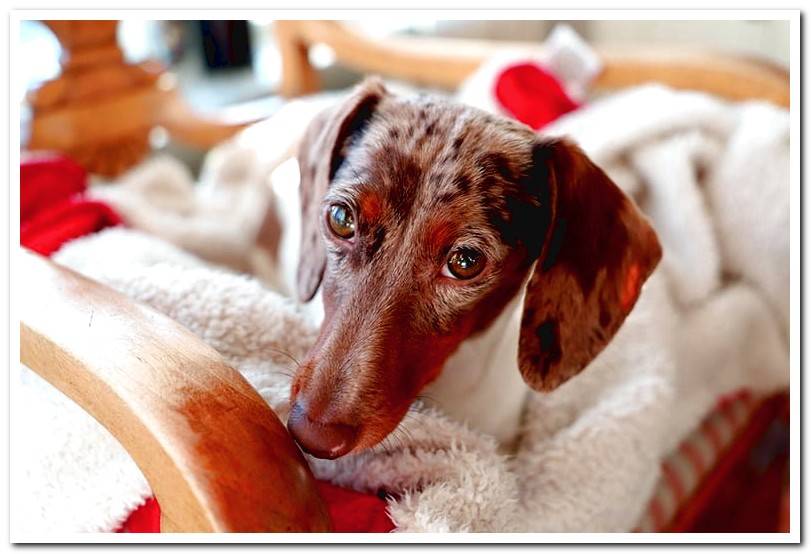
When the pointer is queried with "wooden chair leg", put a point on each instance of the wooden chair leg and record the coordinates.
(101, 110)
(299, 77)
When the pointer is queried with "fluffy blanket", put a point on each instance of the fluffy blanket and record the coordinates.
(713, 319)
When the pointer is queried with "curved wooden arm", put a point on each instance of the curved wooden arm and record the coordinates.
(448, 62)
(216, 456)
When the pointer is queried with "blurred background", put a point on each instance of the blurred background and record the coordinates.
(236, 65)
(234, 68)
(223, 63)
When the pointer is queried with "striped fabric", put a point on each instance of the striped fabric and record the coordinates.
(685, 469)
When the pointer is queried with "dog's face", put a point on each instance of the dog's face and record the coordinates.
(422, 220)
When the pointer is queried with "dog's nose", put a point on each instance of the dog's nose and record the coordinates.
(322, 440)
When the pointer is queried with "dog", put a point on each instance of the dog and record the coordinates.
(457, 255)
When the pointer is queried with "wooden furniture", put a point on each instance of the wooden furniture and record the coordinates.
(448, 62)
(214, 453)
(216, 456)
(100, 110)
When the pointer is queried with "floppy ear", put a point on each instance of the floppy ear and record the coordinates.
(321, 153)
(598, 251)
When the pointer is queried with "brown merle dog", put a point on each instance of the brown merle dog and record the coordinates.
(422, 219)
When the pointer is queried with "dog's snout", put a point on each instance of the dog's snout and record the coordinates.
(321, 439)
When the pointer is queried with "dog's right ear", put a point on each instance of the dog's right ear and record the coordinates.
(320, 155)
(599, 250)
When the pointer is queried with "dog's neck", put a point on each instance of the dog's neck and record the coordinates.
(481, 383)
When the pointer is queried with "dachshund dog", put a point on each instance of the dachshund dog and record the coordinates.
(455, 252)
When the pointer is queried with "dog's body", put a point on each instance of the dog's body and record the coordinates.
(481, 383)
(457, 256)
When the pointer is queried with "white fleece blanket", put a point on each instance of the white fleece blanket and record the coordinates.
(713, 318)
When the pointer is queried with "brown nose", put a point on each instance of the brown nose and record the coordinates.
(322, 440)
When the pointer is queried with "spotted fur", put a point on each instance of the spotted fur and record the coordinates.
(422, 177)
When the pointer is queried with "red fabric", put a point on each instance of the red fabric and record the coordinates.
(46, 179)
(350, 511)
(52, 208)
(146, 518)
(52, 212)
(355, 512)
(66, 220)
(532, 95)
(705, 512)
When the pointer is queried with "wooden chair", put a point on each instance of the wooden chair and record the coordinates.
(447, 63)
(189, 434)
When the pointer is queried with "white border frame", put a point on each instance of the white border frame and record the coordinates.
(793, 16)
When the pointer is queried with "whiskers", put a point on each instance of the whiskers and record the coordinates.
(402, 437)
(287, 371)
(422, 398)
(396, 441)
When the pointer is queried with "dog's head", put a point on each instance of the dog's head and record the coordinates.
(422, 220)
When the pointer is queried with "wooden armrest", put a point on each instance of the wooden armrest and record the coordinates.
(447, 62)
(215, 454)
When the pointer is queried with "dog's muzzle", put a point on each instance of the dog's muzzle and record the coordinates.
(321, 439)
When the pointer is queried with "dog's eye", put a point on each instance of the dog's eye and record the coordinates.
(464, 263)
(341, 221)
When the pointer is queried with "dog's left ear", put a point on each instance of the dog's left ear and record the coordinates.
(320, 155)
(598, 251)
